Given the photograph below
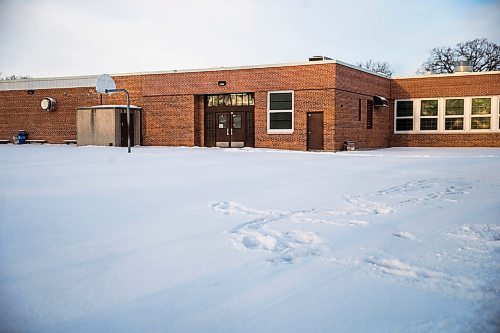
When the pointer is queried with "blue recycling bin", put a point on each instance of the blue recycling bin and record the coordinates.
(21, 137)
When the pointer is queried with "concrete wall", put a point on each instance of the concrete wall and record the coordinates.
(102, 126)
(97, 127)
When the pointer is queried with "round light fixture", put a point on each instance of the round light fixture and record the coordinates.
(48, 104)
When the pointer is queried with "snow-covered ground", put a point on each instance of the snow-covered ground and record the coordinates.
(93, 239)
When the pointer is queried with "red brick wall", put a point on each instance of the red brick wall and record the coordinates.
(318, 76)
(312, 86)
(446, 140)
(172, 109)
(445, 86)
(18, 110)
(173, 105)
(305, 101)
(168, 120)
(351, 85)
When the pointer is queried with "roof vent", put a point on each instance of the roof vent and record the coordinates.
(319, 58)
(463, 66)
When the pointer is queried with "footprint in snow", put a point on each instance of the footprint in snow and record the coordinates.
(435, 281)
(257, 234)
(404, 234)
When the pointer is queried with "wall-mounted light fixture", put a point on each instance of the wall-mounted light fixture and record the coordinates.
(48, 104)
(221, 83)
(30, 92)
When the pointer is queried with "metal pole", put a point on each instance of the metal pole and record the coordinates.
(128, 120)
(128, 112)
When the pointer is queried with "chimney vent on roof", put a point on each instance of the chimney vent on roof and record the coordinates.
(463, 66)
(319, 58)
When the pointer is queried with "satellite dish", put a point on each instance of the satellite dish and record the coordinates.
(104, 84)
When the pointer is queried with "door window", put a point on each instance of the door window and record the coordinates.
(237, 121)
(222, 120)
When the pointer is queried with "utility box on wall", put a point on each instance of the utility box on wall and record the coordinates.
(106, 125)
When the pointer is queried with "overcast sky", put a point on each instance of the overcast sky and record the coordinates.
(69, 37)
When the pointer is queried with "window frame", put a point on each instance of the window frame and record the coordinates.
(369, 113)
(359, 109)
(269, 111)
(465, 120)
(412, 117)
(420, 117)
(489, 116)
(467, 116)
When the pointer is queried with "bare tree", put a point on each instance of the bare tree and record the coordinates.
(381, 67)
(14, 77)
(484, 56)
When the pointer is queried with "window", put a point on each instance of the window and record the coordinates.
(369, 114)
(359, 109)
(448, 114)
(429, 115)
(454, 115)
(241, 99)
(480, 113)
(280, 112)
(222, 121)
(404, 116)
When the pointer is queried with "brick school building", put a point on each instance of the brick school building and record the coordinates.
(316, 105)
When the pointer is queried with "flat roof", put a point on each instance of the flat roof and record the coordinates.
(90, 80)
(426, 76)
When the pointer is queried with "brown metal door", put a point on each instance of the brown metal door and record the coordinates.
(237, 132)
(315, 130)
(222, 133)
(123, 130)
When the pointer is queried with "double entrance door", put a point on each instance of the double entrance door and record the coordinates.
(230, 129)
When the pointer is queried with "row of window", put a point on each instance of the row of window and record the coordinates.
(415, 115)
(280, 108)
(241, 99)
(447, 114)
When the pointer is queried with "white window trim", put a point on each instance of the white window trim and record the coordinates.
(494, 116)
(492, 101)
(419, 115)
(408, 117)
(269, 111)
(465, 117)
